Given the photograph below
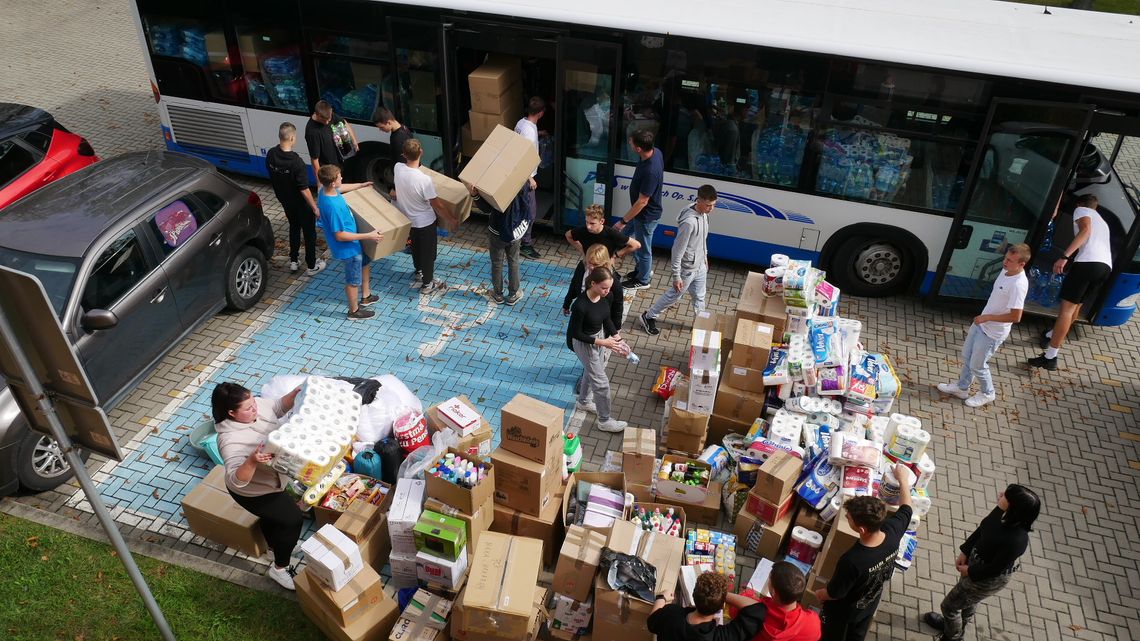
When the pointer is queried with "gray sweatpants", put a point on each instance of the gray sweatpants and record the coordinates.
(594, 382)
(959, 605)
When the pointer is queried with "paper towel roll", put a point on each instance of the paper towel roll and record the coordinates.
(832, 508)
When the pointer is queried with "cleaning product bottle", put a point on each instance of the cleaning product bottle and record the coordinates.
(573, 450)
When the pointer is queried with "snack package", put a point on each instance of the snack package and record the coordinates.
(666, 382)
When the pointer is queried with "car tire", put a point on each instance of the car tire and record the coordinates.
(246, 278)
(40, 465)
(872, 266)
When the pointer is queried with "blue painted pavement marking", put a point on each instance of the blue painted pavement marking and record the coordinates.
(454, 342)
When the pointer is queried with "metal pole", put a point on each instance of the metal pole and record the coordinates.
(85, 481)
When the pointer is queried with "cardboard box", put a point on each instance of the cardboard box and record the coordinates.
(461, 633)
(407, 504)
(478, 443)
(217, 50)
(581, 77)
(678, 511)
(213, 514)
(376, 546)
(762, 540)
(470, 146)
(359, 519)
(809, 519)
(743, 378)
(752, 297)
(738, 404)
(491, 80)
(440, 535)
(523, 484)
(612, 480)
(774, 312)
(533, 429)
(685, 444)
(721, 426)
(704, 350)
(682, 418)
(346, 605)
(813, 583)
(404, 572)
(641, 493)
(766, 512)
(498, 170)
(373, 212)
(459, 415)
(578, 562)
(483, 124)
(456, 200)
(618, 616)
(373, 623)
(510, 101)
(547, 527)
(465, 499)
(569, 616)
(665, 553)
(726, 325)
(499, 598)
(247, 45)
(777, 477)
(705, 320)
(424, 619)
(333, 558)
(326, 515)
(639, 450)
(702, 390)
(751, 345)
(476, 523)
(840, 539)
(439, 572)
(707, 512)
(669, 490)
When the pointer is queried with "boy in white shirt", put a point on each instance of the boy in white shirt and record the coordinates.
(416, 197)
(991, 328)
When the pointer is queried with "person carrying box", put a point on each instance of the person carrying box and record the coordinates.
(344, 241)
(416, 197)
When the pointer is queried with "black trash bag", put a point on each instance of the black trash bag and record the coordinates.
(366, 387)
(629, 574)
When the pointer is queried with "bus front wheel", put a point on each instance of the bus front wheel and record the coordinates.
(873, 267)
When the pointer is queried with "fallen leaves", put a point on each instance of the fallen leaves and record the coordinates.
(32, 542)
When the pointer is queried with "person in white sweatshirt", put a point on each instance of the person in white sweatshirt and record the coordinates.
(689, 262)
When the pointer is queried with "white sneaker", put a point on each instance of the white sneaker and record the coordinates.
(282, 577)
(587, 406)
(612, 425)
(317, 267)
(953, 390)
(980, 399)
(293, 266)
(432, 287)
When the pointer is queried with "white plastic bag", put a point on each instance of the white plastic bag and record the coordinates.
(418, 461)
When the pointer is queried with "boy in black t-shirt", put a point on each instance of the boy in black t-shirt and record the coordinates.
(595, 232)
(852, 595)
(290, 179)
(673, 622)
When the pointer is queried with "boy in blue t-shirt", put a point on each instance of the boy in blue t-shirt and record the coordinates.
(344, 241)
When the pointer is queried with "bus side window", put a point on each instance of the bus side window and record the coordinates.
(271, 62)
(189, 52)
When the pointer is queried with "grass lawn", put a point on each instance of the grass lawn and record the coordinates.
(58, 586)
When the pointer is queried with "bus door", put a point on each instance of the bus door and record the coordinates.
(1015, 183)
(418, 90)
(587, 72)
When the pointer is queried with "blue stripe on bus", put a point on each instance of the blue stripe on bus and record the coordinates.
(236, 162)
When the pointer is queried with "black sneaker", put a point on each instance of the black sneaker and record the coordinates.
(649, 325)
(934, 620)
(633, 283)
(368, 300)
(529, 251)
(1049, 364)
(361, 314)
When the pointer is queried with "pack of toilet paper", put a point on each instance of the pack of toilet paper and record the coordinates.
(312, 438)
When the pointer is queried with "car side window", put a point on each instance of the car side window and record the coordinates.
(176, 223)
(213, 202)
(119, 268)
(14, 160)
(38, 140)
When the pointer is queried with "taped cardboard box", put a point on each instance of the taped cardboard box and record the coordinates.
(578, 562)
(538, 617)
(579, 483)
(777, 477)
(333, 558)
(373, 212)
(569, 618)
(717, 322)
(510, 101)
(759, 539)
(424, 619)
(707, 512)
(348, 604)
(619, 616)
(682, 418)
(440, 573)
(546, 527)
(721, 426)
(466, 499)
(373, 624)
(743, 378)
(504, 162)
(704, 350)
(453, 194)
(840, 539)
(523, 484)
(533, 429)
(774, 312)
(440, 535)
(500, 594)
(477, 443)
(703, 386)
(752, 343)
(491, 80)
(809, 519)
(639, 450)
(751, 301)
(738, 404)
(483, 124)
(214, 515)
(766, 512)
(476, 523)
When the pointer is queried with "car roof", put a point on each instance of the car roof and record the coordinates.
(14, 118)
(67, 216)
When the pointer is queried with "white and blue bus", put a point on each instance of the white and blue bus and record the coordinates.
(899, 145)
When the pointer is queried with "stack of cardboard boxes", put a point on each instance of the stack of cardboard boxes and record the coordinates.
(763, 523)
(404, 513)
(474, 440)
(529, 466)
(618, 615)
(502, 599)
(572, 602)
(496, 97)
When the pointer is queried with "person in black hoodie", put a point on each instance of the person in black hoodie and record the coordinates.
(674, 622)
(988, 559)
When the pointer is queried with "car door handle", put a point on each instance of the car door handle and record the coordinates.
(216, 240)
(160, 296)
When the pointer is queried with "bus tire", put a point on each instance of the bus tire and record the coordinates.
(874, 265)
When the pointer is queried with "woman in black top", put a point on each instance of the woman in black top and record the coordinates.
(592, 336)
(988, 559)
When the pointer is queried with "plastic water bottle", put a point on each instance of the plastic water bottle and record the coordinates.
(1047, 242)
(633, 359)
(1054, 289)
(1035, 286)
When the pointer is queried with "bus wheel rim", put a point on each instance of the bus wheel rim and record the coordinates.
(879, 264)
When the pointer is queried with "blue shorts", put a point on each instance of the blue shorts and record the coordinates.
(354, 269)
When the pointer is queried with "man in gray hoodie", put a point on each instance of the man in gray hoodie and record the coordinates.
(689, 263)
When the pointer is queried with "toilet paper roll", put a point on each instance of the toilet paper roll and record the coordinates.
(920, 505)
(926, 470)
(779, 260)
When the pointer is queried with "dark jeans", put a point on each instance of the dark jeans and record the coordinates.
(281, 522)
(846, 623)
(500, 252)
(424, 244)
(302, 220)
(959, 605)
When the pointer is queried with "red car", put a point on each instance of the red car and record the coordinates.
(35, 150)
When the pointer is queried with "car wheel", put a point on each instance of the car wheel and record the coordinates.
(40, 464)
(874, 267)
(246, 278)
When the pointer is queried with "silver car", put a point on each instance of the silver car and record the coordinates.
(135, 252)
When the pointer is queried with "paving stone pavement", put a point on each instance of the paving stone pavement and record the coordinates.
(1071, 434)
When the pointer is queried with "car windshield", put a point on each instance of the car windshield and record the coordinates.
(57, 273)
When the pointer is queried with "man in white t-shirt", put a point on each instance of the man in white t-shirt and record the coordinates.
(527, 127)
(991, 328)
(416, 197)
(1088, 270)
